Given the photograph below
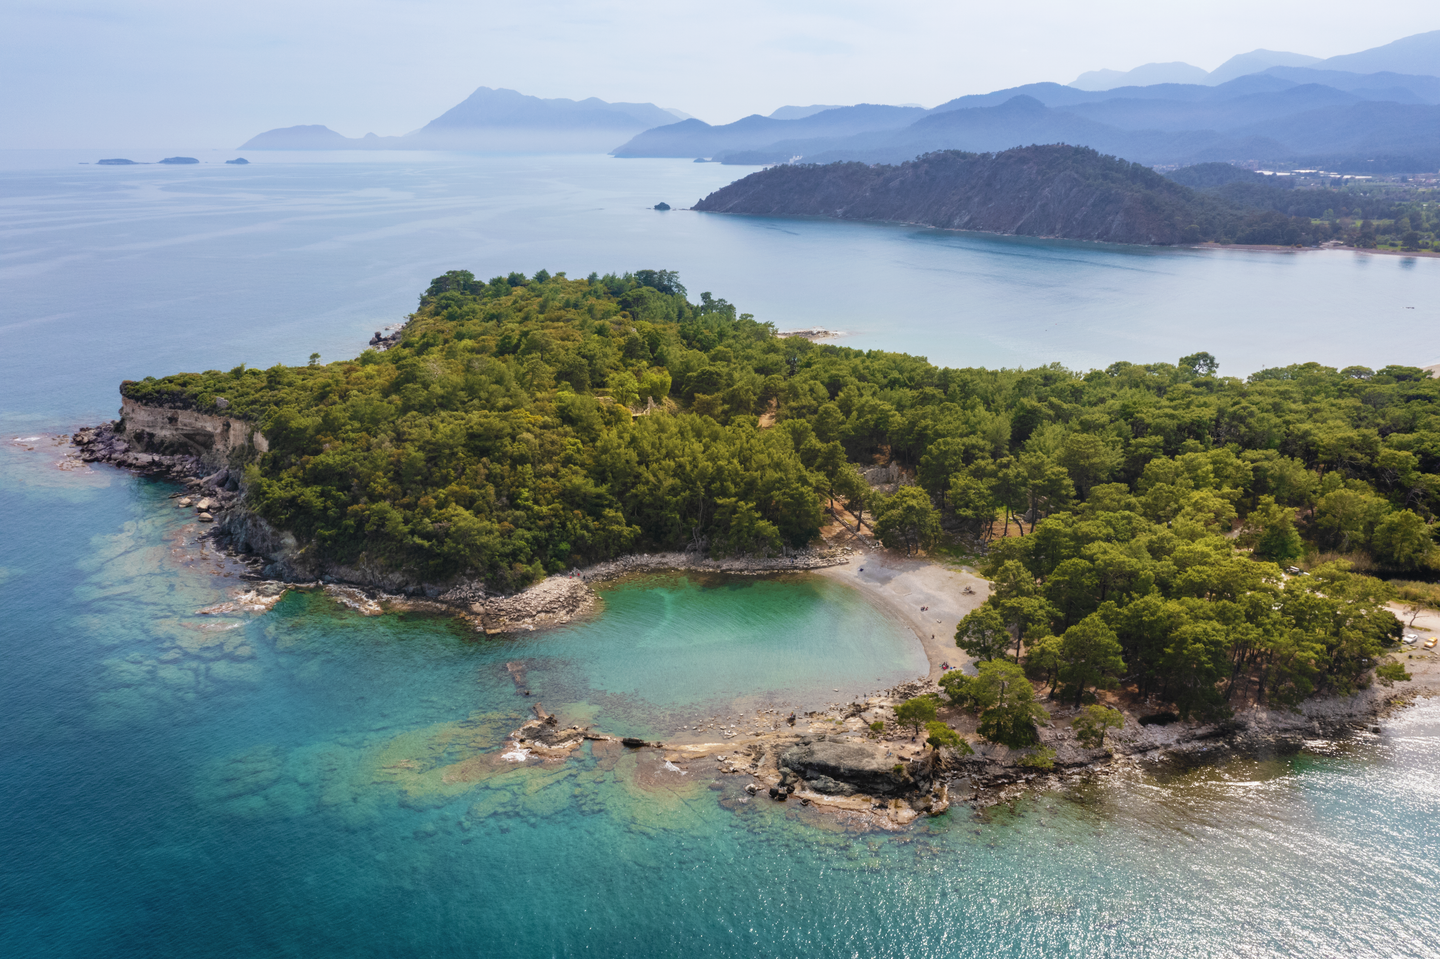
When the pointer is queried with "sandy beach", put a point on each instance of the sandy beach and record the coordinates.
(902, 586)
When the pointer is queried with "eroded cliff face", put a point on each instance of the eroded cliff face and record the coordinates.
(1041, 191)
(215, 440)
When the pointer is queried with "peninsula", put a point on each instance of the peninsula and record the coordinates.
(1056, 191)
(1145, 530)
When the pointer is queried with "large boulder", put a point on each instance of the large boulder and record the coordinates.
(831, 765)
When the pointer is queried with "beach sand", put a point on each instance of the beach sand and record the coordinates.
(902, 586)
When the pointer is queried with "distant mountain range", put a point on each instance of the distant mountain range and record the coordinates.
(496, 120)
(1383, 121)
(1373, 111)
(1416, 54)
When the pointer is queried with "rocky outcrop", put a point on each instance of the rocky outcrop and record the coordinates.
(382, 341)
(1043, 191)
(551, 602)
(106, 444)
(794, 560)
(845, 767)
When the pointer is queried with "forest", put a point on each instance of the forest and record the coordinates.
(1395, 213)
(1136, 520)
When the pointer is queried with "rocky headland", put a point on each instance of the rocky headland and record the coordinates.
(836, 759)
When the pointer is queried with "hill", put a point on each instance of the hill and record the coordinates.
(1050, 191)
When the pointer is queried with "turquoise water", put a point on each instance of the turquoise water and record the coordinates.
(311, 782)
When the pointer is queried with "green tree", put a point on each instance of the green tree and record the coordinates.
(906, 519)
(1093, 721)
(942, 736)
(1004, 700)
(1403, 541)
(983, 633)
(1090, 656)
(916, 712)
(1270, 529)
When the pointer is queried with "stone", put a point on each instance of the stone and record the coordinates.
(862, 766)
(205, 518)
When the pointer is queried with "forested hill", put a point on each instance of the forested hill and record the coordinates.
(1050, 191)
(531, 424)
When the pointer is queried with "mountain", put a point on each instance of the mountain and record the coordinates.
(799, 113)
(1043, 191)
(1257, 61)
(1418, 54)
(492, 119)
(1400, 87)
(1140, 76)
(695, 138)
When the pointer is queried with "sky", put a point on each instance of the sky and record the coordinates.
(195, 75)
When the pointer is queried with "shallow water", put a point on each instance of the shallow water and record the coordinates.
(315, 783)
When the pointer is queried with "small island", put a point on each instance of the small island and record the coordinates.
(238, 161)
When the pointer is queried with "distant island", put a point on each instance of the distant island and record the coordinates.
(1044, 191)
(239, 161)
(491, 119)
(179, 160)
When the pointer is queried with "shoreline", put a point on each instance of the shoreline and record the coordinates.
(764, 743)
(900, 586)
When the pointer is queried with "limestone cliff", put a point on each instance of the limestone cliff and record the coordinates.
(215, 440)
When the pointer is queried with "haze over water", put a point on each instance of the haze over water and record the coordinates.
(121, 272)
(310, 782)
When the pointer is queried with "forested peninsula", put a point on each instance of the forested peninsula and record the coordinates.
(1058, 191)
(1135, 520)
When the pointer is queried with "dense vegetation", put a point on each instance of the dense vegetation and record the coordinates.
(1397, 213)
(1134, 519)
(1054, 190)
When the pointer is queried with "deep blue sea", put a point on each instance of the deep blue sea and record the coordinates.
(311, 782)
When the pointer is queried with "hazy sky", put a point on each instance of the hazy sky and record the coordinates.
(181, 73)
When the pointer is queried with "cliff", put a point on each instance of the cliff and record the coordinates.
(1049, 191)
(215, 440)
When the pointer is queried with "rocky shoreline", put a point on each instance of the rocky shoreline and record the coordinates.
(218, 498)
(832, 759)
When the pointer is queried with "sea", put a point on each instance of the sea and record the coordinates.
(183, 776)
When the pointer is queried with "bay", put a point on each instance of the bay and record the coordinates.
(311, 782)
(122, 272)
